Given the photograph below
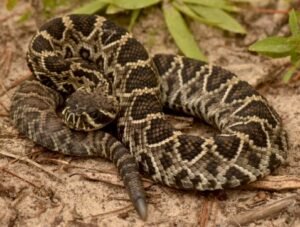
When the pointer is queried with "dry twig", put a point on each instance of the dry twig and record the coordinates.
(270, 11)
(5, 110)
(122, 209)
(68, 165)
(108, 178)
(275, 183)
(104, 178)
(17, 82)
(25, 159)
(262, 212)
(208, 213)
(21, 178)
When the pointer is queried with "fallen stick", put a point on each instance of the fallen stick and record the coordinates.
(262, 212)
(275, 183)
(208, 212)
(108, 178)
(25, 159)
(68, 165)
(16, 82)
(5, 109)
(21, 178)
(122, 209)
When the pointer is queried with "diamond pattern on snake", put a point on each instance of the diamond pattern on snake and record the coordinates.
(99, 74)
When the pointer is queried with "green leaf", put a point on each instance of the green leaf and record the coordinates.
(293, 22)
(134, 15)
(113, 9)
(10, 4)
(134, 4)
(49, 4)
(190, 13)
(272, 46)
(91, 7)
(25, 16)
(220, 18)
(288, 74)
(294, 41)
(220, 4)
(181, 34)
(294, 57)
(291, 70)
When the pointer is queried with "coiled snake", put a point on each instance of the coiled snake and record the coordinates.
(103, 73)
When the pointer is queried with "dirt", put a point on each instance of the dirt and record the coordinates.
(41, 188)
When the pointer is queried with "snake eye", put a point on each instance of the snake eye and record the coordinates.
(95, 114)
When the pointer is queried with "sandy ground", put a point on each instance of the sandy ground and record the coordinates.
(40, 188)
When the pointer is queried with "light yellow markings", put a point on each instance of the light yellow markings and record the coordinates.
(202, 151)
(70, 117)
(148, 118)
(186, 181)
(269, 145)
(31, 129)
(240, 148)
(206, 76)
(178, 75)
(247, 101)
(120, 41)
(230, 84)
(157, 176)
(93, 123)
(199, 73)
(48, 37)
(139, 92)
(99, 21)
(67, 22)
(173, 137)
(170, 70)
(56, 141)
(180, 62)
(123, 158)
(246, 172)
(105, 150)
(113, 146)
(97, 25)
(245, 136)
(77, 122)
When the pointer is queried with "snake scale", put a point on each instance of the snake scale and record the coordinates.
(83, 63)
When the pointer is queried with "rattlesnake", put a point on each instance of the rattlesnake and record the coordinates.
(81, 55)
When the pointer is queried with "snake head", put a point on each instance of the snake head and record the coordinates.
(88, 111)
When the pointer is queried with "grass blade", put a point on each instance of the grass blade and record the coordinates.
(190, 13)
(134, 4)
(134, 15)
(220, 4)
(181, 34)
(91, 7)
(291, 70)
(293, 22)
(113, 9)
(288, 74)
(10, 4)
(25, 16)
(272, 46)
(219, 18)
(294, 41)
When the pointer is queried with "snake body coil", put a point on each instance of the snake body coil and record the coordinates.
(80, 52)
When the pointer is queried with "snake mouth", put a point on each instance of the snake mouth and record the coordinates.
(86, 121)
